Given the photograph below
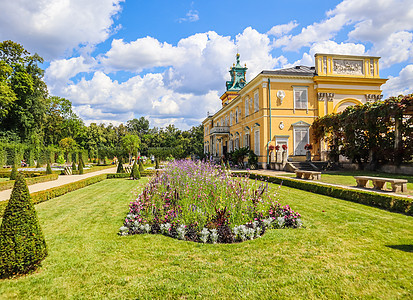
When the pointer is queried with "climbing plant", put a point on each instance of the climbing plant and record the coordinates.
(368, 132)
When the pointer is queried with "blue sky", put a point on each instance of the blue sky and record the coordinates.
(168, 60)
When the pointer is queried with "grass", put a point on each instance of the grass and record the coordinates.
(347, 250)
(346, 178)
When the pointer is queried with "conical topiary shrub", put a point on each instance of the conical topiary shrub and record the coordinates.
(156, 163)
(38, 164)
(135, 172)
(13, 173)
(74, 166)
(80, 165)
(120, 168)
(141, 168)
(48, 169)
(22, 244)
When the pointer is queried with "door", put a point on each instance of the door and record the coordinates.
(301, 138)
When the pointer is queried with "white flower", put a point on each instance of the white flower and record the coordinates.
(204, 235)
(214, 236)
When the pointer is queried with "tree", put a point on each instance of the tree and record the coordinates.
(13, 174)
(141, 168)
(135, 171)
(73, 166)
(68, 145)
(131, 144)
(120, 168)
(80, 166)
(22, 244)
(48, 168)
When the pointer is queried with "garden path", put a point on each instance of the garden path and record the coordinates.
(62, 179)
(280, 174)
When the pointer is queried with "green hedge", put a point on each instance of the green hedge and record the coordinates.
(388, 202)
(45, 195)
(5, 185)
(145, 173)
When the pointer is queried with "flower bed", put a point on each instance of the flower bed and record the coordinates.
(201, 202)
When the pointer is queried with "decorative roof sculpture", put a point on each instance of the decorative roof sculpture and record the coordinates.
(237, 73)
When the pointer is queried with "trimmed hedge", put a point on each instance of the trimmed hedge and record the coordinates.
(5, 185)
(45, 195)
(118, 175)
(387, 202)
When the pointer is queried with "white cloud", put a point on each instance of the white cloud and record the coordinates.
(317, 32)
(398, 47)
(329, 47)
(144, 53)
(280, 30)
(52, 28)
(191, 16)
(402, 84)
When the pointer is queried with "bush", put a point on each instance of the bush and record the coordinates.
(45, 195)
(48, 169)
(388, 202)
(13, 173)
(135, 172)
(5, 185)
(22, 244)
(120, 168)
(38, 164)
(80, 166)
(117, 175)
(156, 163)
(74, 166)
(141, 168)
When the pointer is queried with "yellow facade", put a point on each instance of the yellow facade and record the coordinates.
(296, 96)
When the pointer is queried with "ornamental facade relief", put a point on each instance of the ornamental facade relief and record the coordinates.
(348, 67)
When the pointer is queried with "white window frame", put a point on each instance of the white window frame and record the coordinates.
(231, 116)
(246, 106)
(299, 104)
(256, 101)
(257, 142)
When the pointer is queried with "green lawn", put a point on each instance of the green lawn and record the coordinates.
(4, 179)
(346, 250)
(346, 178)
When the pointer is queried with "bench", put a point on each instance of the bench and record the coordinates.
(308, 174)
(397, 185)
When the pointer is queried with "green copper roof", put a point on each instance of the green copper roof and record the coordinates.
(237, 73)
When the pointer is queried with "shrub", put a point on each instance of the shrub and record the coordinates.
(388, 202)
(22, 244)
(13, 173)
(74, 166)
(117, 175)
(135, 172)
(80, 166)
(141, 168)
(120, 168)
(38, 164)
(48, 169)
(156, 163)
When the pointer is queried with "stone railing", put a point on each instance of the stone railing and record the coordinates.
(220, 130)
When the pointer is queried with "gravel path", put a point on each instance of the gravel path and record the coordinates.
(63, 179)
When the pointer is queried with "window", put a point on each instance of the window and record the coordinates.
(230, 146)
(257, 142)
(226, 120)
(236, 146)
(236, 115)
(230, 119)
(247, 140)
(300, 98)
(256, 103)
(246, 107)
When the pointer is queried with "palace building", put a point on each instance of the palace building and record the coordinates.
(277, 107)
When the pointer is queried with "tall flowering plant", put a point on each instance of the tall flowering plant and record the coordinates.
(190, 199)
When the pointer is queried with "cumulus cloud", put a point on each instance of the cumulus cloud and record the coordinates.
(280, 30)
(402, 84)
(54, 28)
(329, 47)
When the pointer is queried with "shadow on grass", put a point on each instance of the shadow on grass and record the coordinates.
(405, 248)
